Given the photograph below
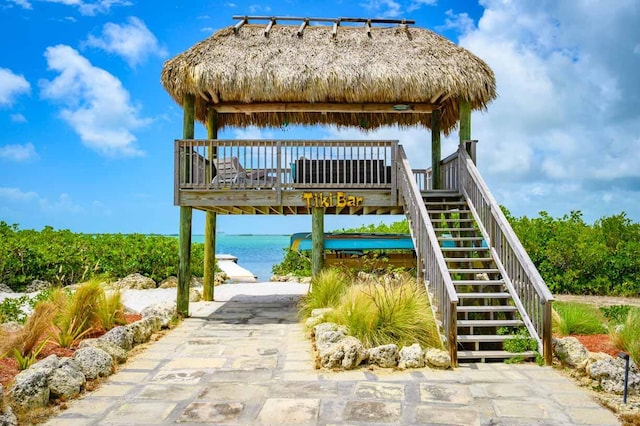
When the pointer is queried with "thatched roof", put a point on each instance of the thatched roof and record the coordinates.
(392, 65)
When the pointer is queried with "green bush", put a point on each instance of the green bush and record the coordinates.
(616, 314)
(627, 336)
(521, 340)
(63, 257)
(577, 318)
(326, 291)
(383, 312)
(295, 263)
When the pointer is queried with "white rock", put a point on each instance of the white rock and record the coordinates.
(31, 388)
(144, 328)
(328, 333)
(120, 336)
(118, 354)
(135, 282)
(169, 282)
(610, 373)
(570, 351)
(165, 311)
(437, 358)
(347, 353)
(67, 380)
(411, 357)
(385, 356)
(94, 362)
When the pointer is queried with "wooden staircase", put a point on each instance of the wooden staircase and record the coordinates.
(486, 314)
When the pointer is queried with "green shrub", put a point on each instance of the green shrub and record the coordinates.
(326, 291)
(627, 336)
(11, 309)
(577, 318)
(382, 312)
(616, 314)
(294, 263)
(109, 310)
(521, 340)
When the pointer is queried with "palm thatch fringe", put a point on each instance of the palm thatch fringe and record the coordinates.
(398, 65)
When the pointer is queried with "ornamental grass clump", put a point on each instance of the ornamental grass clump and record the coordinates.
(577, 318)
(626, 336)
(381, 312)
(326, 291)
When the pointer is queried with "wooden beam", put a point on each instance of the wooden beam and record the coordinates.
(301, 28)
(210, 221)
(321, 107)
(184, 268)
(317, 240)
(435, 150)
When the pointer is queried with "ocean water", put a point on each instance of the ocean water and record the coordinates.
(256, 253)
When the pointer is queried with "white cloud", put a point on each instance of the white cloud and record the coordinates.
(417, 4)
(20, 198)
(258, 8)
(18, 152)
(25, 4)
(18, 118)
(565, 127)
(382, 8)
(92, 8)
(461, 22)
(11, 86)
(133, 41)
(94, 103)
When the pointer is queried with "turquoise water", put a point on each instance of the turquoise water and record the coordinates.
(257, 253)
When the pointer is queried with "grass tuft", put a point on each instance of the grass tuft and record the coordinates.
(109, 310)
(25, 342)
(326, 291)
(577, 318)
(627, 335)
(381, 312)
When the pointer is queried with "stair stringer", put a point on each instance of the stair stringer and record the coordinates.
(507, 280)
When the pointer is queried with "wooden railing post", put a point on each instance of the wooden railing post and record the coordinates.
(184, 270)
(210, 217)
(547, 345)
(317, 240)
(435, 150)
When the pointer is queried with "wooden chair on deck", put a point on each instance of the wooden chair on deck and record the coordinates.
(229, 171)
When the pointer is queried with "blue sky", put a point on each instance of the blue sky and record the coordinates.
(87, 129)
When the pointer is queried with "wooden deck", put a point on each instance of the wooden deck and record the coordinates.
(291, 177)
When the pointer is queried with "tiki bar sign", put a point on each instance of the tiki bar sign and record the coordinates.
(338, 199)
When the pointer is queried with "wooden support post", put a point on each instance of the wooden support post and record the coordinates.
(436, 175)
(547, 345)
(465, 121)
(210, 220)
(317, 240)
(184, 271)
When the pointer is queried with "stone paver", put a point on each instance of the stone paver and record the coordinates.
(245, 361)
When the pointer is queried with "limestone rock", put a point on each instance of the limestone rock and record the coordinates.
(220, 278)
(67, 380)
(11, 327)
(144, 328)
(411, 357)
(595, 357)
(31, 388)
(195, 295)
(570, 351)
(165, 311)
(37, 285)
(120, 336)
(196, 281)
(93, 362)
(118, 354)
(610, 373)
(304, 280)
(5, 289)
(7, 418)
(328, 333)
(135, 282)
(347, 353)
(385, 356)
(48, 365)
(312, 322)
(169, 282)
(437, 358)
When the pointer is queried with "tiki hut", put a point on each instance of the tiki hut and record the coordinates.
(364, 76)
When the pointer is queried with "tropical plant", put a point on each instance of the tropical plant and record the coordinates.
(25, 361)
(326, 290)
(520, 340)
(109, 310)
(294, 263)
(27, 341)
(577, 318)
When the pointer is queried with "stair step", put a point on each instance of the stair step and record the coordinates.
(502, 308)
(455, 229)
(460, 238)
(478, 282)
(489, 323)
(494, 354)
(475, 271)
(484, 296)
(452, 220)
(467, 259)
(447, 203)
(464, 248)
(447, 211)
(464, 338)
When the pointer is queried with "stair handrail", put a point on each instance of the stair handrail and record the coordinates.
(431, 263)
(510, 253)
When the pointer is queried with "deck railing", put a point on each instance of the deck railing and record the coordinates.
(431, 263)
(290, 164)
(521, 276)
